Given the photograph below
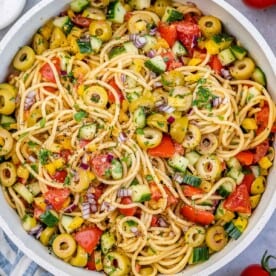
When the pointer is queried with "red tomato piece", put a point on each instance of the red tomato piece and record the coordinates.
(239, 201)
(128, 211)
(260, 4)
(100, 164)
(88, 238)
(91, 262)
(65, 153)
(216, 64)
(187, 32)
(154, 221)
(178, 148)
(248, 180)
(254, 270)
(190, 191)
(60, 176)
(261, 151)
(37, 212)
(155, 192)
(81, 21)
(128, 15)
(165, 149)
(171, 61)
(56, 197)
(171, 200)
(168, 32)
(111, 97)
(48, 74)
(198, 216)
(245, 157)
(84, 142)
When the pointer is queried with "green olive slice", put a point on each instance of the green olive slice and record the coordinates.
(24, 59)
(216, 238)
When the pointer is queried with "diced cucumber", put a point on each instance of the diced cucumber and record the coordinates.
(66, 221)
(96, 44)
(238, 51)
(6, 121)
(84, 46)
(116, 169)
(150, 44)
(233, 162)
(130, 48)
(140, 193)
(23, 192)
(64, 23)
(156, 64)
(207, 202)
(34, 188)
(116, 51)
(199, 254)
(232, 230)
(226, 188)
(252, 93)
(192, 180)
(116, 12)
(172, 15)
(139, 4)
(193, 157)
(236, 175)
(50, 218)
(220, 211)
(88, 132)
(28, 222)
(107, 242)
(139, 117)
(226, 57)
(256, 170)
(178, 162)
(79, 5)
(259, 76)
(179, 50)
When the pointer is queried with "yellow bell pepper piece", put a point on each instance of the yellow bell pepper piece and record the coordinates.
(40, 203)
(80, 259)
(46, 234)
(92, 148)
(55, 148)
(192, 78)
(249, 124)
(240, 223)
(51, 169)
(258, 185)
(265, 163)
(228, 216)
(212, 47)
(22, 172)
(264, 172)
(137, 65)
(76, 223)
(125, 105)
(161, 43)
(254, 201)
(80, 90)
(194, 61)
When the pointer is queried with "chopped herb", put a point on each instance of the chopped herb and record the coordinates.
(139, 131)
(67, 180)
(218, 38)
(25, 77)
(42, 122)
(204, 98)
(221, 117)
(43, 156)
(131, 223)
(32, 144)
(149, 177)
(23, 135)
(80, 115)
(134, 182)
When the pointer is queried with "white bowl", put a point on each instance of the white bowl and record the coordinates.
(237, 25)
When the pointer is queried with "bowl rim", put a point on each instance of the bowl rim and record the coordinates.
(262, 220)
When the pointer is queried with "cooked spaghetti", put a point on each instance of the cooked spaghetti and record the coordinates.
(135, 137)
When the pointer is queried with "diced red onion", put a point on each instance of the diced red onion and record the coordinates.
(132, 37)
(157, 84)
(226, 74)
(151, 53)
(225, 101)
(162, 222)
(192, 4)
(84, 166)
(153, 31)
(178, 177)
(190, 111)
(216, 102)
(32, 159)
(109, 158)
(124, 192)
(122, 137)
(134, 230)
(153, 75)
(70, 208)
(36, 231)
(85, 210)
(29, 100)
(91, 198)
(123, 78)
(107, 207)
(76, 177)
(171, 119)
(138, 41)
(194, 41)
(166, 108)
(63, 73)
(93, 208)
(49, 206)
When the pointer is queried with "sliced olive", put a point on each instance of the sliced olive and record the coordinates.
(243, 69)
(158, 121)
(208, 144)
(6, 142)
(64, 246)
(81, 258)
(195, 236)
(93, 13)
(149, 138)
(24, 59)
(209, 167)
(95, 96)
(216, 238)
(7, 174)
(179, 128)
(192, 138)
(101, 29)
(116, 264)
(209, 25)
(7, 99)
(40, 44)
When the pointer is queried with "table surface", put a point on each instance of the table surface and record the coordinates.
(264, 20)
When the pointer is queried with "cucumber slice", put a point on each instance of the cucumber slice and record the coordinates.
(87, 132)
(28, 222)
(200, 254)
(64, 23)
(236, 175)
(34, 188)
(256, 170)
(179, 50)
(50, 218)
(84, 46)
(220, 211)
(116, 51)
(66, 221)
(6, 121)
(193, 157)
(232, 230)
(178, 162)
(23, 192)
(226, 57)
(252, 93)
(139, 4)
(172, 15)
(79, 5)
(150, 44)
(95, 43)
(238, 51)
(226, 188)
(140, 193)
(259, 76)
(116, 12)
(233, 162)
(116, 169)
(139, 117)
(130, 48)
(107, 242)
(156, 65)
(192, 180)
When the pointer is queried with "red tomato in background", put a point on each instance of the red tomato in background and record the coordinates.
(216, 64)
(47, 73)
(260, 4)
(88, 238)
(254, 270)
(171, 61)
(57, 197)
(130, 211)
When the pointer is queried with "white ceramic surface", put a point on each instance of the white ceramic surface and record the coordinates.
(239, 26)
